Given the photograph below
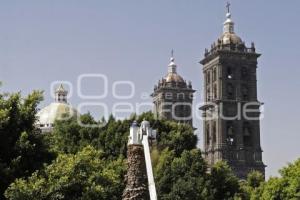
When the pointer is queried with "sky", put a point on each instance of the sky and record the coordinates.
(129, 43)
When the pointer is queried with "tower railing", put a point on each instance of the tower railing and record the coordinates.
(241, 48)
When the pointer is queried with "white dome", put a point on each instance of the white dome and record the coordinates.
(55, 111)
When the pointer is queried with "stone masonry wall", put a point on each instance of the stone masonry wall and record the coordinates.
(136, 178)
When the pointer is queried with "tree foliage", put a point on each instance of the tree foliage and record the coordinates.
(112, 137)
(182, 177)
(22, 150)
(223, 182)
(81, 176)
(250, 186)
(90, 160)
(285, 187)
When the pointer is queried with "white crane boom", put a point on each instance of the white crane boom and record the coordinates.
(151, 183)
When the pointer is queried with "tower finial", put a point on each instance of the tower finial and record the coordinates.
(228, 6)
(172, 65)
(228, 24)
(172, 55)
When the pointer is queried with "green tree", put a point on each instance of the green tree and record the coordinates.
(182, 177)
(113, 138)
(250, 185)
(70, 137)
(110, 137)
(254, 179)
(285, 187)
(22, 148)
(224, 184)
(83, 176)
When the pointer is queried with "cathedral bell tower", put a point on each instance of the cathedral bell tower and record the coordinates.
(173, 97)
(231, 110)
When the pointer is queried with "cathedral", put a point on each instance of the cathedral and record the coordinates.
(230, 89)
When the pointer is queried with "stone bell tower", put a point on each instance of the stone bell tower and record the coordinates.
(173, 97)
(231, 110)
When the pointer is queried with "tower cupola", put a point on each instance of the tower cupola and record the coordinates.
(61, 94)
(229, 35)
(172, 75)
(172, 68)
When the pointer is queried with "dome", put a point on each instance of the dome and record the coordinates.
(232, 38)
(58, 110)
(174, 77)
(55, 111)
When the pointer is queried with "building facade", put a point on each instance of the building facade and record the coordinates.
(173, 97)
(231, 133)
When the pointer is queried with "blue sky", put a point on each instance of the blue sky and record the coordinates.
(50, 40)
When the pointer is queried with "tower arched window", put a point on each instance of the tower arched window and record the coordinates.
(208, 77)
(229, 74)
(230, 134)
(247, 134)
(208, 94)
(215, 74)
(207, 134)
(245, 92)
(215, 91)
(230, 91)
(244, 73)
(214, 132)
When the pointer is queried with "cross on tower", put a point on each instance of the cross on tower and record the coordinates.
(228, 7)
(172, 53)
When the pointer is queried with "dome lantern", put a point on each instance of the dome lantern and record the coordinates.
(229, 35)
(61, 94)
(228, 24)
(172, 75)
(172, 66)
